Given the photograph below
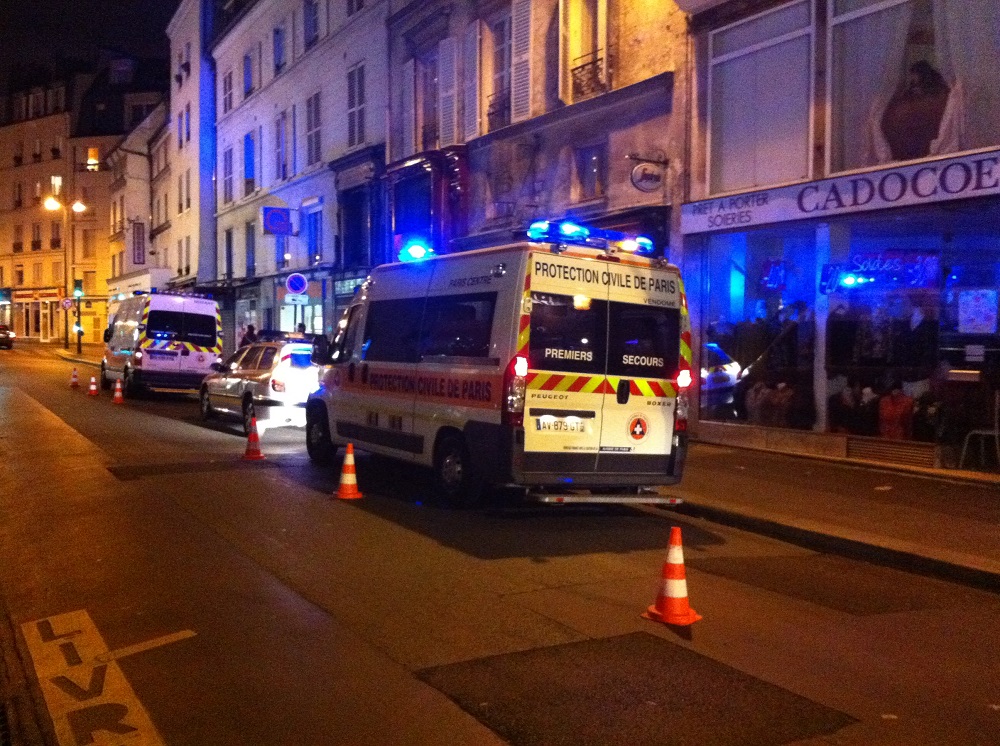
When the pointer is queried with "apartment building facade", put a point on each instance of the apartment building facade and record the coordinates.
(506, 112)
(300, 97)
(52, 150)
(841, 227)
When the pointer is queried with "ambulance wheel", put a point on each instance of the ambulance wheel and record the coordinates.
(248, 415)
(105, 381)
(455, 484)
(318, 444)
(207, 412)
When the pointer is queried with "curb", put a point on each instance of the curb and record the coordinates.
(850, 548)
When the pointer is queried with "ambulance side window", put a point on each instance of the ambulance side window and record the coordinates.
(391, 331)
(346, 338)
(458, 326)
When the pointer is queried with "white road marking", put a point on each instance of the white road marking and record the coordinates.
(88, 697)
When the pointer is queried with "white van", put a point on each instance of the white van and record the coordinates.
(161, 341)
(553, 365)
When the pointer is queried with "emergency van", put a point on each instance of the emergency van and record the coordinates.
(554, 365)
(161, 341)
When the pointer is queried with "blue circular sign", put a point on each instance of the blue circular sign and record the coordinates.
(296, 283)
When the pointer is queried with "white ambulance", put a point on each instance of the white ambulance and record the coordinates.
(554, 365)
(161, 341)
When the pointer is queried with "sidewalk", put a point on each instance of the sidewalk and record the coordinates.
(940, 522)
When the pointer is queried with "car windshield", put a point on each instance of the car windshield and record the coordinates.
(715, 357)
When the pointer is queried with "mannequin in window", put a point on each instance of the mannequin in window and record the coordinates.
(913, 116)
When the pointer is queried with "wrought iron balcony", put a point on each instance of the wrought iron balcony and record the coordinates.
(591, 74)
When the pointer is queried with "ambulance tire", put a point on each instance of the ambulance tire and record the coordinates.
(130, 387)
(455, 483)
(318, 444)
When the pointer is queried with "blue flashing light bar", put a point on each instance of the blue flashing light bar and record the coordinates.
(415, 250)
(569, 232)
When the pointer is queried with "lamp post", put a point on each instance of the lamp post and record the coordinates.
(52, 204)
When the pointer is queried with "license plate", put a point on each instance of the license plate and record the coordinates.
(560, 426)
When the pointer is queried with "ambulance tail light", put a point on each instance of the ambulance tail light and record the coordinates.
(684, 379)
(681, 414)
(515, 383)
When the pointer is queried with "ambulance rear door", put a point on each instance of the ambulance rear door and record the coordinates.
(564, 401)
(643, 351)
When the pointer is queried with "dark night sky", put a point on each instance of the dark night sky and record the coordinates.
(34, 29)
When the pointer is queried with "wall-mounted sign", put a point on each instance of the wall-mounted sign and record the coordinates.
(277, 221)
(647, 177)
(975, 175)
(296, 299)
(296, 283)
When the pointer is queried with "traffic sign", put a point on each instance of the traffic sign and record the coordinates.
(297, 299)
(277, 221)
(66, 303)
(296, 283)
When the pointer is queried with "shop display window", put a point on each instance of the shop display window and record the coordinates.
(759, 334)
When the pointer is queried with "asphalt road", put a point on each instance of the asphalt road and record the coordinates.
(158, 589)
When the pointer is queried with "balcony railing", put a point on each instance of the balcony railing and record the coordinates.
(591, 74)
(18, 247)
(55, 243)
(36, 245)
(18, 160)
(498, 112)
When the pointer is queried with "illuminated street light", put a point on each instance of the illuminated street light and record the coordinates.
(52, 204)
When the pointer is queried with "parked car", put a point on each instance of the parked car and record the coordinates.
(268, 380)
(6, 337)
(719, 374)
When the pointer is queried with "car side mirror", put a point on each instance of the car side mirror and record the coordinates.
(217, 367)
(320, 351)
(107, 335)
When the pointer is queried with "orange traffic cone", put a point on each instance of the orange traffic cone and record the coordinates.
(92, 391)
(118, 398)
(348, 489)
(253, 444)
(671, 605)
(74, 381)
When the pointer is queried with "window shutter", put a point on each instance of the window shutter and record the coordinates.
(447, 92)
(408, 109)
(520, 84)
(470, 53)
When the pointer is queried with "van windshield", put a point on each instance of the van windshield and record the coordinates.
(196, 328)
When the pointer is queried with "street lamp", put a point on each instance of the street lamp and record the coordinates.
(52, 204)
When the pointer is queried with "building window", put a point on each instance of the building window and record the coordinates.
(250, 239)
(281, 256)
(180, 194)
(227, 92)
(17, 196)
(314, 235)
(93, 159)
(281, 147)
(759, 132)
(353, 6)
(37, 273)
(57, 274)
(180, 129)
(55, 234)
(313, 145)
(19, 274)
(88, 244)
(18, 245)
(227, 175)
(427, 99)
(90, 283)
(187, 189)
(279, 49)
(36, 236)
(187, 255)
(247, 74)
(180, 256)
(187, 123)
(356, 105)
(249, 164)
(587, 47)
(228, 245)
(499, 39)
(310, 22)
(591, 165)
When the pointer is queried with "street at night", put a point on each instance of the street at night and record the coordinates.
(208, 599)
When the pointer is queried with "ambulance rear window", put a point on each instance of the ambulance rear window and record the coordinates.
(197, 328)
(644, 341)
(567, 333)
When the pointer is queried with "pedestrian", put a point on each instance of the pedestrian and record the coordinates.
(250, 336)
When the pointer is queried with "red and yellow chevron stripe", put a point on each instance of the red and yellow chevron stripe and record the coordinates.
(652, 387)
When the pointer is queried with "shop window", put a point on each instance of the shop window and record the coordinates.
(591, 167)
(759, 131)
(757, 352)
(907, 80)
